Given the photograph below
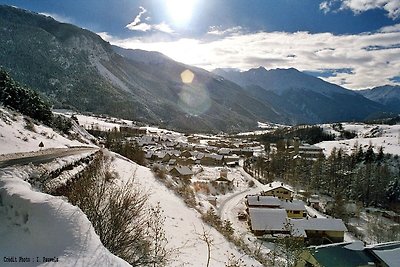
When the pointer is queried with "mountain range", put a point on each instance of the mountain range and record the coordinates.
(74, 68)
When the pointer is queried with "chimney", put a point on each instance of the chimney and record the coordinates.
(258, 197)
(270, 185)
(281, 184)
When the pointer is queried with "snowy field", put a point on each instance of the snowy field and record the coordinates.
(386, 136)
(14, 137)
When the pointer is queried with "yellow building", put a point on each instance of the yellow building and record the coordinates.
(279, 190)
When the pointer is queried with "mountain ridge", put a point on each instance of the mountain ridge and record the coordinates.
(75, 68)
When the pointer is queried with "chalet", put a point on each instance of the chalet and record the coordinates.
(231, 160)
(172, 162)
(257, 201)
(183, 172)
(224, 151)
(132, 130)
(146, 140)
(187, 154)
(185, 161)
(268, 221)
(212, 160)
(228, 179)
(294, 208)
(319, 230)
(314, 202)
(279, 190)
(305, 151)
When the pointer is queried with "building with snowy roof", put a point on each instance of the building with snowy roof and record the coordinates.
(319, 230)
(268, 221)
(279, 190)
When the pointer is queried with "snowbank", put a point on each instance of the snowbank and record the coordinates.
(36, 228)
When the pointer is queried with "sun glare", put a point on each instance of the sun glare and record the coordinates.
(180, 11)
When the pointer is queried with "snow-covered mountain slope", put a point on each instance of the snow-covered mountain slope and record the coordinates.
(387, 95)
(385, 136)
(183, 225)
(18, 135)
(38, 229)
(281, 80)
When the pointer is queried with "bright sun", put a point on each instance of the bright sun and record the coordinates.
(180, 11)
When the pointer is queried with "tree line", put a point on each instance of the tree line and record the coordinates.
(369, 177)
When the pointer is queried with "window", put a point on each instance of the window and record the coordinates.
(296, 212)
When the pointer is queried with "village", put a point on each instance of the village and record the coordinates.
(213, 166)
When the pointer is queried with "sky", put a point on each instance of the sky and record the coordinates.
(353, 43)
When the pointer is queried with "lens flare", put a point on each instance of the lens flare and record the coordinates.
(187, 76)
(194, 100)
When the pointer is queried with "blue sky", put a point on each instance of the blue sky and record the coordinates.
(354, 43)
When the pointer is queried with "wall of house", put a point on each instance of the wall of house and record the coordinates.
(280, 193)
(334, 236)
(296, 214)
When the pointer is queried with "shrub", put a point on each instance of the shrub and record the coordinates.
(120, 215)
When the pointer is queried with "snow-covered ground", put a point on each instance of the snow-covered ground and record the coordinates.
(40, 229)
(386, 136)
(183, 225)
(14, 137)
(109, 123)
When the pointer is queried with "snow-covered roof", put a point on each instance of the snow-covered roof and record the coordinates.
(224, 151)
(389, 253)
(293, 205)
(258, 200)
(214, 156)
(183, 170)
(275, 185)
(316, 224)
(263, 219)
(309, 147)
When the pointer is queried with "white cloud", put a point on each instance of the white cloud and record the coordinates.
(392, 7)
(213, 30)
(138, 25)
(393, 28)
(301, 50)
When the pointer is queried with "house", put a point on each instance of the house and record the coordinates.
(294, 208)
(183, 172)
(387, 254)
(257, 201)
(232, 160)
(279, 190)
(306, 151)
(351, 254)
(319, 230)
(224, 151)
(314, 202)
(132, 130)
(212, 159)
(268, 221)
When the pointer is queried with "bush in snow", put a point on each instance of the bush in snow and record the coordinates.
(120, 215)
